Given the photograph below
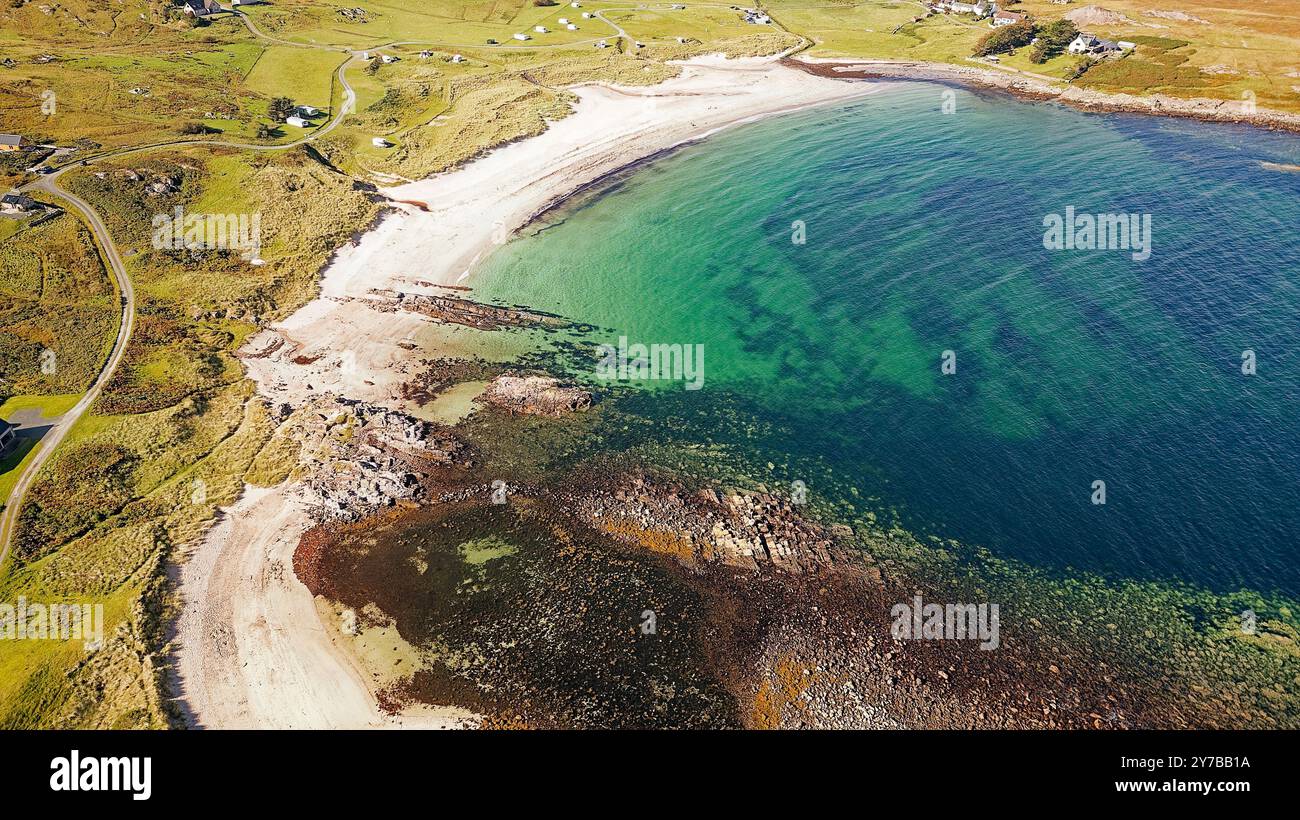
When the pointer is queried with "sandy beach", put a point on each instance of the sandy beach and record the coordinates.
(251, 647)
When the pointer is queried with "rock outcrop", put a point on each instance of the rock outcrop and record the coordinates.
(358, 458)
(535, 395)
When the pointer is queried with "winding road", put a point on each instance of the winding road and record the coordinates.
(49, 184)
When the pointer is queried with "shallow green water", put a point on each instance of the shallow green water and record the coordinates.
(925, 234)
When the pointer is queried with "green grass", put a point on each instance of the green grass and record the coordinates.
(58, 315)
(303, 75)
(49, 406)
(12, 466)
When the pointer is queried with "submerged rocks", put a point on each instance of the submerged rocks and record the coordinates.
(535, 395)
(744, 530)
(459, 311)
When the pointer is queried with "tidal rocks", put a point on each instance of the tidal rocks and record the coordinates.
(535, 395)
(460, 311)
(358, 458)
(745, 530)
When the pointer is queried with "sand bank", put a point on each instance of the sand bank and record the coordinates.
(252, 650)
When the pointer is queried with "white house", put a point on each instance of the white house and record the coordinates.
(586, 15)
(1006, 18)
(388, 58)
(576, 4)
(522, 37)
(202, 8)
(602, 44)
(571, 27)
(978, 8)
(379, 142)
(540, 29)
(298, 122)
(1092, 44)
(564, 21)
(456, 58)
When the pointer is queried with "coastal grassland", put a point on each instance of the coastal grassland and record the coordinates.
(483, 112)
(448, 21)
(306, 210)
(465, 110)
(117, 498)
(15, 461)
(1227, 52)
(178, 74)
(58, 313)
(305, 75)
(177, 429)
(196, 306)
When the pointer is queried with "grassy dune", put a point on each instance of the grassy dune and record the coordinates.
(58, 310)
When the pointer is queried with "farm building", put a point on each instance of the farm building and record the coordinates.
(17, 204)
(11, 142)
(297, 122)
(6, 435)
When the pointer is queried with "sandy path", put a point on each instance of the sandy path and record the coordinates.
(251, 648)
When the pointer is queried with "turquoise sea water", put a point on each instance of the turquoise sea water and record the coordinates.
(924, 234)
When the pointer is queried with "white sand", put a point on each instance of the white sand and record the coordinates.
(252, 651)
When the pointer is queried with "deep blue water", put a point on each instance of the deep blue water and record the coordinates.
(925, 234)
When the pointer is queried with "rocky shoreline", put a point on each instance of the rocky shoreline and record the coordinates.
(796, 621)
(1028, 87)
